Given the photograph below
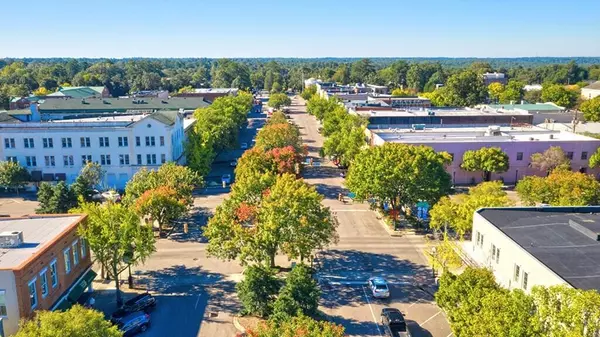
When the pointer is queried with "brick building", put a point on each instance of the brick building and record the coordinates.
(44, 265)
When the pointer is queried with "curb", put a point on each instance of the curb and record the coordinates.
(386, 227)
(238, 326)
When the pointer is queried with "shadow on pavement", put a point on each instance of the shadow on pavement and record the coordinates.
(356, 328)
(322, 172)
(196, 219)
(416, 330)
(329, 191)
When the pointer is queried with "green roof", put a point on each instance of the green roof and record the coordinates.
(166, 117)
(527, 107)
(78, 92)
(99, 105)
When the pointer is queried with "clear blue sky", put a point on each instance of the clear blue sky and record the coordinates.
(305, 28)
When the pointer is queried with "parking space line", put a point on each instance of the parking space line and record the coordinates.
(197, 300)
(452, 333)
(372, 313)
(430, 318)
(417, 301)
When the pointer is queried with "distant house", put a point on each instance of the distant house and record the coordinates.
(532, 87)
(591, 91)
(490, 78)
(80, 92)
(210, 94)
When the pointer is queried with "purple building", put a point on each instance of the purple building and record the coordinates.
(519, 143)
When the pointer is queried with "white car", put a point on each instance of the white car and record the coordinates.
(379, 287)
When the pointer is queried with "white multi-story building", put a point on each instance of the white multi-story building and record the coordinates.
(545, 246)
(58, 150)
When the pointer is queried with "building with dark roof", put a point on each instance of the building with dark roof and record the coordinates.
(529, 246)
(591, 91)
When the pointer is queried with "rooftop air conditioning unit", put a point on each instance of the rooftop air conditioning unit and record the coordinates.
(418, 126)
(11, 239)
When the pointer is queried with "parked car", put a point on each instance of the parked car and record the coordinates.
(226, 178)
(233, 163)
(379, 287)
(113, 196)
(144, 302)
(134, 323)
(393, 323)
(244, 146)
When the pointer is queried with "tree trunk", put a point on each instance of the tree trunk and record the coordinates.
(117, 286)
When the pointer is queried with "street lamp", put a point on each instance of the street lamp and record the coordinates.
(434, 257)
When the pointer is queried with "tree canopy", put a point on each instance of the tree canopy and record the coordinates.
(278, 101)
(55, 199)
(258, 290)
(560, 95)
(279, 135)
(560, 188)
(301, 326)
(13, 175)
(591, 109)
(487, 160)
(399, 174)
(554, 157)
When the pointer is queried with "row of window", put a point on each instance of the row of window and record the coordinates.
(76, 250)
(48, 143)
(496, 259)
(569, 155)
(50, 161)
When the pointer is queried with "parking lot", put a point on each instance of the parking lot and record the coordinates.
(18, 205)
(355, 308)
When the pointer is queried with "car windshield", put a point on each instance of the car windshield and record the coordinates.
(380, 287)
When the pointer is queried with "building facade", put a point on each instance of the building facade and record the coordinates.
(538, 246)
(591, 91)
(122, 145)
(44, 265)
(489, 78)
(519, 143)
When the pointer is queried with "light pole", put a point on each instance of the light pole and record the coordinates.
(434, 257)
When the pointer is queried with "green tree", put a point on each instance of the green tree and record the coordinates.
(279, 135)
(443, 214)
(308, 92)
(116, 237)
(320, 107)
(559, 95)
(560, 188)
(591, 109)
(90, 176)
(299, 294)
(399, 174)
(258, 290)
(342, 74)
(276, 88)
(75, 322)
(298, 326)
(595, 159)
(401, 92)
(13, 175)
(533, 96)
(278, 101)
(465, 89)
(345, 135)
(513, 92)
(55, 199)
(162, 205)
(287, 216)
(553, 158)
(487, 160)
(442, 255)
(361, 70)
(495, 90)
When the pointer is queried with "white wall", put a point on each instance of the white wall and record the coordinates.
(7, 283)
(510, 254)
(590, 93)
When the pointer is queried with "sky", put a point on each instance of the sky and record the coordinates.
(306, 28)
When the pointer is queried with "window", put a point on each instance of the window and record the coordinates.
(493, 252)
(75, 253)
(9, 143)
(44, 282)
(3, 303)
(150, 141)
(123, 141)
(162, 141)
(519, 155)
(85, 142)
(478, 236)
(163, 158)
(47, 143)
(584, 155)
(86, 158)
(67, 256)
(139, 159)
(104, 142)
(66, 142)
(53, 273)
(11, 158)
(32, 294)
(517, 272)
(68, 160)
(570, 155)
(105, 159)
(525, 280)
(30, 161)
(83, 249)
(49, 161)
(124, 159)
(497, 255)
(150, 159)
(28, 142)
(138, 142)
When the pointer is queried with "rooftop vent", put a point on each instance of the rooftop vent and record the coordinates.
(585, 231)
(11, 239)
(551, 136)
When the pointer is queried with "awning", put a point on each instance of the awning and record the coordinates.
(81, 285)
(63, 305)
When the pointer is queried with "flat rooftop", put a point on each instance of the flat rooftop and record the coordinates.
(559, 237)
(429, 112)
(477, 134)
(527, 107)
(38, 232)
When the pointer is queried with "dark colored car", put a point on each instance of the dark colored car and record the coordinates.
(143, 302)
(393, 323)
(134, 323)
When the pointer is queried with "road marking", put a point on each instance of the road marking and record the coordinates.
(417, 301)
(430, 318)
(198, 300)
(372, 313)
(17, 201)
(452, 333)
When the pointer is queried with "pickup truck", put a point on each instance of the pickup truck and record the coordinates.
(393, 323)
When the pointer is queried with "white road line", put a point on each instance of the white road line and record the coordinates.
(372, 313)
(430, 318)
(452, 333)
(417, 301)
(197, 300)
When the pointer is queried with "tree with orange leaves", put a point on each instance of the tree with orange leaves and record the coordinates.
(161, 204)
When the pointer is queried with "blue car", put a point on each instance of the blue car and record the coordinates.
(134, 323)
